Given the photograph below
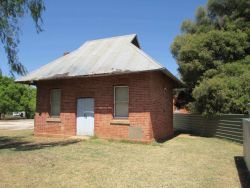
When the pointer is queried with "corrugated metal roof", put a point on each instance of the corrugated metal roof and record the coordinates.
(114, 55)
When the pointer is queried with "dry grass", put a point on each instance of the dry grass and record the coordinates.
(26, 161)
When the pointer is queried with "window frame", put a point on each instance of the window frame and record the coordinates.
(114, 114)
(56, 116)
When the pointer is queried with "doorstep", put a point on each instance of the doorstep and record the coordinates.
(81, 137)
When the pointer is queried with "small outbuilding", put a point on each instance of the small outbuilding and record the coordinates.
(109, 88)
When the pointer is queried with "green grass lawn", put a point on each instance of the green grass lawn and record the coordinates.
(184, 161)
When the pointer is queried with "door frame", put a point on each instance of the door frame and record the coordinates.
(76, 113)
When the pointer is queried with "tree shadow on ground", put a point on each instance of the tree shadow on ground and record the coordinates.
(16, 143)
(243, 173)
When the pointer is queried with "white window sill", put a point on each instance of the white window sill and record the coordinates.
(54, 119)
(120, 122)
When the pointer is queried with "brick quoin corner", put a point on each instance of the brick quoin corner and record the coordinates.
(150, 106)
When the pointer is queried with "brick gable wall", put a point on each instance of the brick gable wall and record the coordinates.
(150, 110)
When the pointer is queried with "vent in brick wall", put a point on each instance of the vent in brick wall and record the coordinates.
(135, 133)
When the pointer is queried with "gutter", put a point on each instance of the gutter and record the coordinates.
(65, 76)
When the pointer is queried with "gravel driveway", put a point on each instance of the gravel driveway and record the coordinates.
(20, 124)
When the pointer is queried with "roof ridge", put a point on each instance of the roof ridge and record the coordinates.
(107, 38)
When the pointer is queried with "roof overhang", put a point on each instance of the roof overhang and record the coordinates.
(177, 82)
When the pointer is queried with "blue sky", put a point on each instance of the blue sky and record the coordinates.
(68, 24)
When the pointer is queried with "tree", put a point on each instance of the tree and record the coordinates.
(28, 100)
(16, 97)
(11, 11)
(210, 52)
(226, 92)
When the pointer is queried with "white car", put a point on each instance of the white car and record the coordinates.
(18, 114)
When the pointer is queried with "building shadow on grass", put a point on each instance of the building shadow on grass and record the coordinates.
(176, 133)
(243, 173)
(16, 143)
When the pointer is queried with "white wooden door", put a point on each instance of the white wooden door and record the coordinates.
(85, 117)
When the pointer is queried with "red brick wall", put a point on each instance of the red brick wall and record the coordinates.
(162, 103)
(149, 106)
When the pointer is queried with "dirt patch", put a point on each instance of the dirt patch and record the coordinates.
(21, 124)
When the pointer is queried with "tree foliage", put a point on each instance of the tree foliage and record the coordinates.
(16, 97)
(227, 92)
(213, 53)
(11, 11)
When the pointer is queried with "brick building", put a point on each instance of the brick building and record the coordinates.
(109, 88)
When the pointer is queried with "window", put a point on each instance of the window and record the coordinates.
(55, 102)
(121, 101)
